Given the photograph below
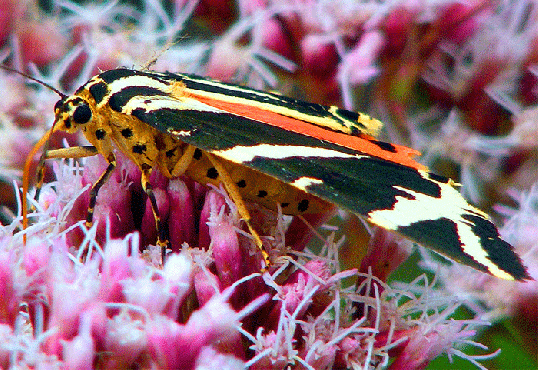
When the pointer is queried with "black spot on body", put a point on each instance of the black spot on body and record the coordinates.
(98, 91)
(100, 134)
(242, 184)
(212, 173)
(170, 153)
(127, 133)
(139, 148)
(262, 194)
(159, 143)
(284, 205)
(67, 123)
(303, 205)
(197, 154)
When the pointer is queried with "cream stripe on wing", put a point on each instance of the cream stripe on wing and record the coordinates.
(155, 103)
(242, 154)
(133, 81)
(304, 182)
(450, 205)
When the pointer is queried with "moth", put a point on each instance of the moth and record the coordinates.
(271, 149)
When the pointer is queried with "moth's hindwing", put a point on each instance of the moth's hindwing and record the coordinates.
(325, 151)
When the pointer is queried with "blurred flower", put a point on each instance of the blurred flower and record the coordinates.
(357, 66)
(41, 40)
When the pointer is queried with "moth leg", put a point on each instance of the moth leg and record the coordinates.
(162, 240)
(233, 191)
(111, 159)
(73, 152)
(184, 162)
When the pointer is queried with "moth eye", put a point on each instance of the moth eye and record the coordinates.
(82, 114)
(58, 104)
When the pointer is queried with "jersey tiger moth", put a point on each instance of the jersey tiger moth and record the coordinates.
(272, 149)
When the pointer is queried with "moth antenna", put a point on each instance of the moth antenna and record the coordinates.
(35, 149)
(26, 179)
(50, 87)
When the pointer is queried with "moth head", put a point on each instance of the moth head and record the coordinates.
(72, 113)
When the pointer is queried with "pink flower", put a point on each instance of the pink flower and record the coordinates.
(82, 288)
(11, 10)
(211, 359)
(206, 285)
(41, 40)
(213, 203)
(78, 353)
(320, 56)
(125, 339)
(10, 296)
(358, 65)
(181, 219)
(179, 346)
(423, 346)
(384, 254)
(226, 249)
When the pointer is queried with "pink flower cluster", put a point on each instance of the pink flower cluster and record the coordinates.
(201, 310)
(112, 311)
